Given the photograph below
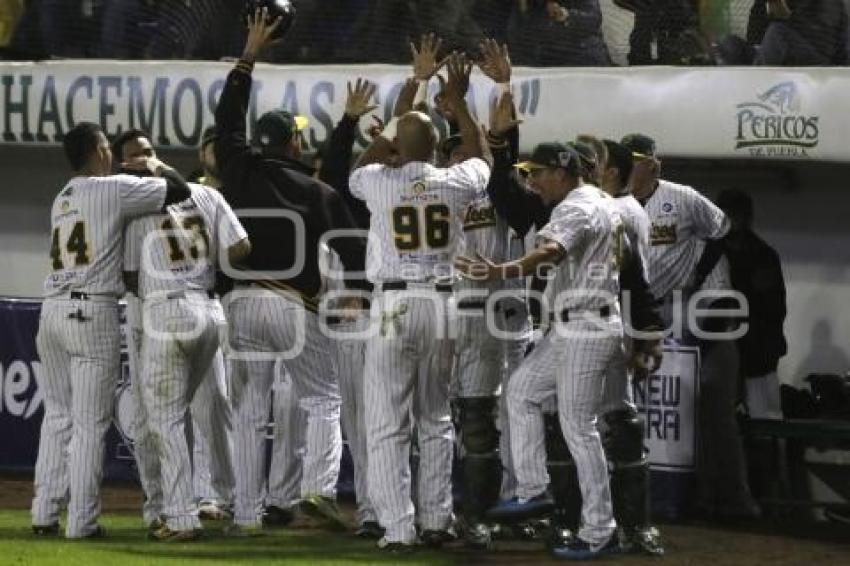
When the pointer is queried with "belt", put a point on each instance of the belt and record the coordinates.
(403, 285)
(82, 296)
(481, 305)
(566, 315)
(185, 293)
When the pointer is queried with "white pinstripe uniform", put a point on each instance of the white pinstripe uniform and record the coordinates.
(577, 355)
(350, 354)
(680, 217)
(212, 473)
(78, 341)
(415, 231)
(618, 391)
(483, 361)
(176, 255)
(288, 442)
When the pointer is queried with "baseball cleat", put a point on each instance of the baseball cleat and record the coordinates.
(395, 547)
(325, 509)
(277, 516)
(577, 549)
(518, 509)
(646, 540)
(165, 534)
(437, 538)
(479, 536)
(51, 530)
(370, 530)
(97, 533)
(212, 511)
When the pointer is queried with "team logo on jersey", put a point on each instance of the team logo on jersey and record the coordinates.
(419, 187)
(775, 125)
(666, 207)
(662, 235)
(65, 206)
(479, 217)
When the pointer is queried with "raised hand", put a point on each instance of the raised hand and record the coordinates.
(457, 83)
(260, 33)
(495, 61)
(404, 102)
(144, 164)
(375, 129)
(425, 63)
(358, 102)
(503, 115)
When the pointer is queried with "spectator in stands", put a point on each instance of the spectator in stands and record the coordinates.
(10, 13)
(756, 272)
(128, 27)
(665, 33)
(549, 33)
(799, 32)
(57, 28)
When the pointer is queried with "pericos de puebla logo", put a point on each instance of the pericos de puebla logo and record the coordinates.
(774, 125)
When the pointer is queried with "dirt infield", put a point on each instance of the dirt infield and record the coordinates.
(692, 544)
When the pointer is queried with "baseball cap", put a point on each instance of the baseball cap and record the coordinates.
(276, 127)
(585, 152)
(551, 154)
(641, 146)
(620, 157)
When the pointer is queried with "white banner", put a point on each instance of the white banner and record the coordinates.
(706, 112)
(667, 400)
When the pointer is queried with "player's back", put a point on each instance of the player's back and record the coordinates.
(86, 226)
(636, 224)
(416, 216)
(178, 249)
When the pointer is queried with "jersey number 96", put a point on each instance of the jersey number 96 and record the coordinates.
(413, 224)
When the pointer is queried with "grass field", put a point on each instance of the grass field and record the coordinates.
(126, 546)
(790, 543)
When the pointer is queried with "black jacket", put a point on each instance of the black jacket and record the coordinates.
(756, 271)
(255, 181)
(336, 168)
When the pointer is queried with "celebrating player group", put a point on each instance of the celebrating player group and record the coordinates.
(426, 288)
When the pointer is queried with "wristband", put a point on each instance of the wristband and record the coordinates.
(390, 129)
(421, 93)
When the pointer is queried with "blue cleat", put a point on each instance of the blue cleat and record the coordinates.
(516, 509)
(577, 549)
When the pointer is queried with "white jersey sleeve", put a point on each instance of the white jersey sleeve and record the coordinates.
(470, 175)
(363, 181)
(710, 223)
(567, 226)
(230, 230)
(140, 195)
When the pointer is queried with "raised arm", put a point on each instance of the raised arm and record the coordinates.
(383, 146)
(473, 138)
(233, 103)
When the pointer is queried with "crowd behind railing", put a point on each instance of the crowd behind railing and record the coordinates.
(539, 32)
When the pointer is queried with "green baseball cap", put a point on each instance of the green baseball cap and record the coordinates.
(276, 128)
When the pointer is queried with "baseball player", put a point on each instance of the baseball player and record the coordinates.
(78, 332)
(623, 430)
(481, 359)
(415, 229)
(212, 468)
(580, 242)
(273, 310)
(685, 249)
(173, 258)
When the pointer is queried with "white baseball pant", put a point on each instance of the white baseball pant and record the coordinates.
(413, 335)
(570, 362)
(80, 358)
(288, 442)
(266, 326)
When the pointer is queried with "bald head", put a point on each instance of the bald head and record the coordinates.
(416, 137)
